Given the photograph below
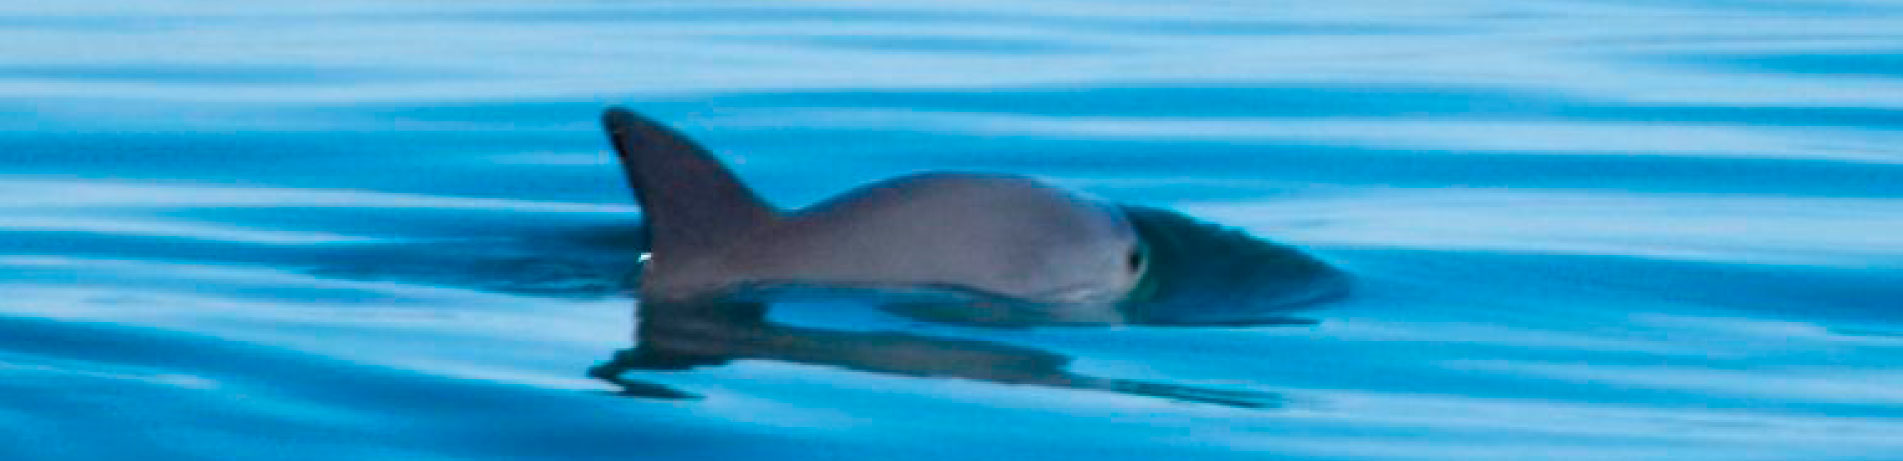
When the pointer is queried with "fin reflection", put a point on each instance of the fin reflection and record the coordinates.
(680, 336)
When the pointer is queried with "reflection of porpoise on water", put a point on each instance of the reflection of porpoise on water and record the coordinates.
(680, 336)
(1013, 250)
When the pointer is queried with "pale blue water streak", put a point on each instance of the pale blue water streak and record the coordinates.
(1582, 228)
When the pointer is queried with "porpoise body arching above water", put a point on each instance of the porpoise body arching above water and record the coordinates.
(1010, 249)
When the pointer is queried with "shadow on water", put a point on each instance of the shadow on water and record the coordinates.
(681, 336)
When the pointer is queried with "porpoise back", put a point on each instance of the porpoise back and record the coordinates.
(1004, 236)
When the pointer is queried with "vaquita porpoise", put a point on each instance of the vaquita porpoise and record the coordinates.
(1009, 249)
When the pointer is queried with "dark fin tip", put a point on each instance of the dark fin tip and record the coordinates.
(624, 126)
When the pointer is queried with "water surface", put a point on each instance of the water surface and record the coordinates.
(1580, 228)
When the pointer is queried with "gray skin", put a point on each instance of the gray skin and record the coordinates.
(998, 236)
(1006, 236)
(1009, 249)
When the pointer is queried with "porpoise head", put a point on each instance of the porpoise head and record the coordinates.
(1001, 248)
(1197, 273)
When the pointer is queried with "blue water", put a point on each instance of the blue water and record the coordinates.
(1582, 229)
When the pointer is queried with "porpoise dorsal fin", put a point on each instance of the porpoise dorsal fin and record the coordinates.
(690, 203)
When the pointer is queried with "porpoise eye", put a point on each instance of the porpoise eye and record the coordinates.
(1135, 260)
